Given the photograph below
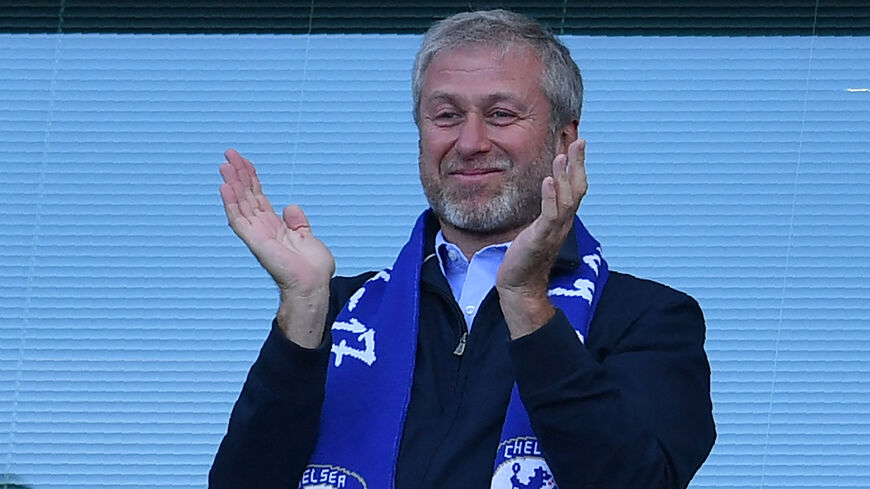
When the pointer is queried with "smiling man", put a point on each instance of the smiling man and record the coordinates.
(485, 141)
(499, 350)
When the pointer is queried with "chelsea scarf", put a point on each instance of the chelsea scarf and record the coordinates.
(368, 384)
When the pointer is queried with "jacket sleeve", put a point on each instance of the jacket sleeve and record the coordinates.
(273, 425)
(634, 414)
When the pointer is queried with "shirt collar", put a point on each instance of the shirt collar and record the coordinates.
(451, 256)
(566, 261)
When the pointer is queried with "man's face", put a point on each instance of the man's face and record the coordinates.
(485, 143)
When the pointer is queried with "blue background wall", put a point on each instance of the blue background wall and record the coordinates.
(733, 168)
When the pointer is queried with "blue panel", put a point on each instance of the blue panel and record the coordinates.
(732, 168)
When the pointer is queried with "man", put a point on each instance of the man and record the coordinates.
(499, 350)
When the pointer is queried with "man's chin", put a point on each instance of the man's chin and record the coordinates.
(481, 223)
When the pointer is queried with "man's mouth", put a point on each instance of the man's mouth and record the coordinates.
(471, 172)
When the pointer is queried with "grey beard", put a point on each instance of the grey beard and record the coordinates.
(508, 210)
(515, 206)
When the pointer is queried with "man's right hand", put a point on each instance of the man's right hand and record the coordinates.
(300, 264)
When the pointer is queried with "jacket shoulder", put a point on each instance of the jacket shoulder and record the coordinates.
(633, 292)
(626, 298)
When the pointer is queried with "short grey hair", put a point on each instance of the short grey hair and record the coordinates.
(560, 80)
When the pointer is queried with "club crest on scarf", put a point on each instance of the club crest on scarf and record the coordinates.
(522, 466)
(362, 338)
(330, 477)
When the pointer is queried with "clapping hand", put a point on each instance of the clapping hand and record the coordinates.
(300, 264)
(524, 274)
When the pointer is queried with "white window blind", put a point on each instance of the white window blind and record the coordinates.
(735, 169)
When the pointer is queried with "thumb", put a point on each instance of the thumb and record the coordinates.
(295, 218)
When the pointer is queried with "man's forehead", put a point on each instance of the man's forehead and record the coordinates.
(504, 71)
(480, 50)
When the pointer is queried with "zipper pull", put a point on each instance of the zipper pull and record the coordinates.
(460, 348)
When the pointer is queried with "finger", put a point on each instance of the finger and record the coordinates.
(577, 169)
(252, 171)
(248, 188)
(564, 196)
(231, 179)
(549, 208)
(228, 196)
(234, 160)
(232, 171)
(252, 180)
(231, 207)
(256, 188)
(242, 195)
(247, 206)
(228, 173)
(238, 163)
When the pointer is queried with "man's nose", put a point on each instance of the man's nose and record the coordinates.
(473, 138)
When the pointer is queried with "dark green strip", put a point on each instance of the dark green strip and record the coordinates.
(614, 17)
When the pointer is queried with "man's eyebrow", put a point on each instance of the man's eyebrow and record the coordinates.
(439, 96)
(504, 97)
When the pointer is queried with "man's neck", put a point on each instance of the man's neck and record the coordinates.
(470, 243)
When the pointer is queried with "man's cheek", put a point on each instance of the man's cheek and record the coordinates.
(437, 140)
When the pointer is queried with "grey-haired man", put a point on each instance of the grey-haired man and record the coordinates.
(499, 350)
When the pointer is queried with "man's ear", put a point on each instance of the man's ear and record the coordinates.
(567, 135)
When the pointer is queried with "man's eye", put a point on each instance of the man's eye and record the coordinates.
(446, 118)
(502, 116)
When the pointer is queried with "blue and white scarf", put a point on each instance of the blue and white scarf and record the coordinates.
(368, 384)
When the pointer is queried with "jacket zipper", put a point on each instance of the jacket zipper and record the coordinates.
(463, 340)
(460, 348)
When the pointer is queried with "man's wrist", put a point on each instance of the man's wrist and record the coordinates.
(525, 311)
(302, 319)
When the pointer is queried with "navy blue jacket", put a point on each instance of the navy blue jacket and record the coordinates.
(629, 409)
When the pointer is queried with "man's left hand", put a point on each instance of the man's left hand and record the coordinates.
(523, 276)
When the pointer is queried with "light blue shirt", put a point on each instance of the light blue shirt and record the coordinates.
(470, 280)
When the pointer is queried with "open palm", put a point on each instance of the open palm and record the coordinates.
(298, 262)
